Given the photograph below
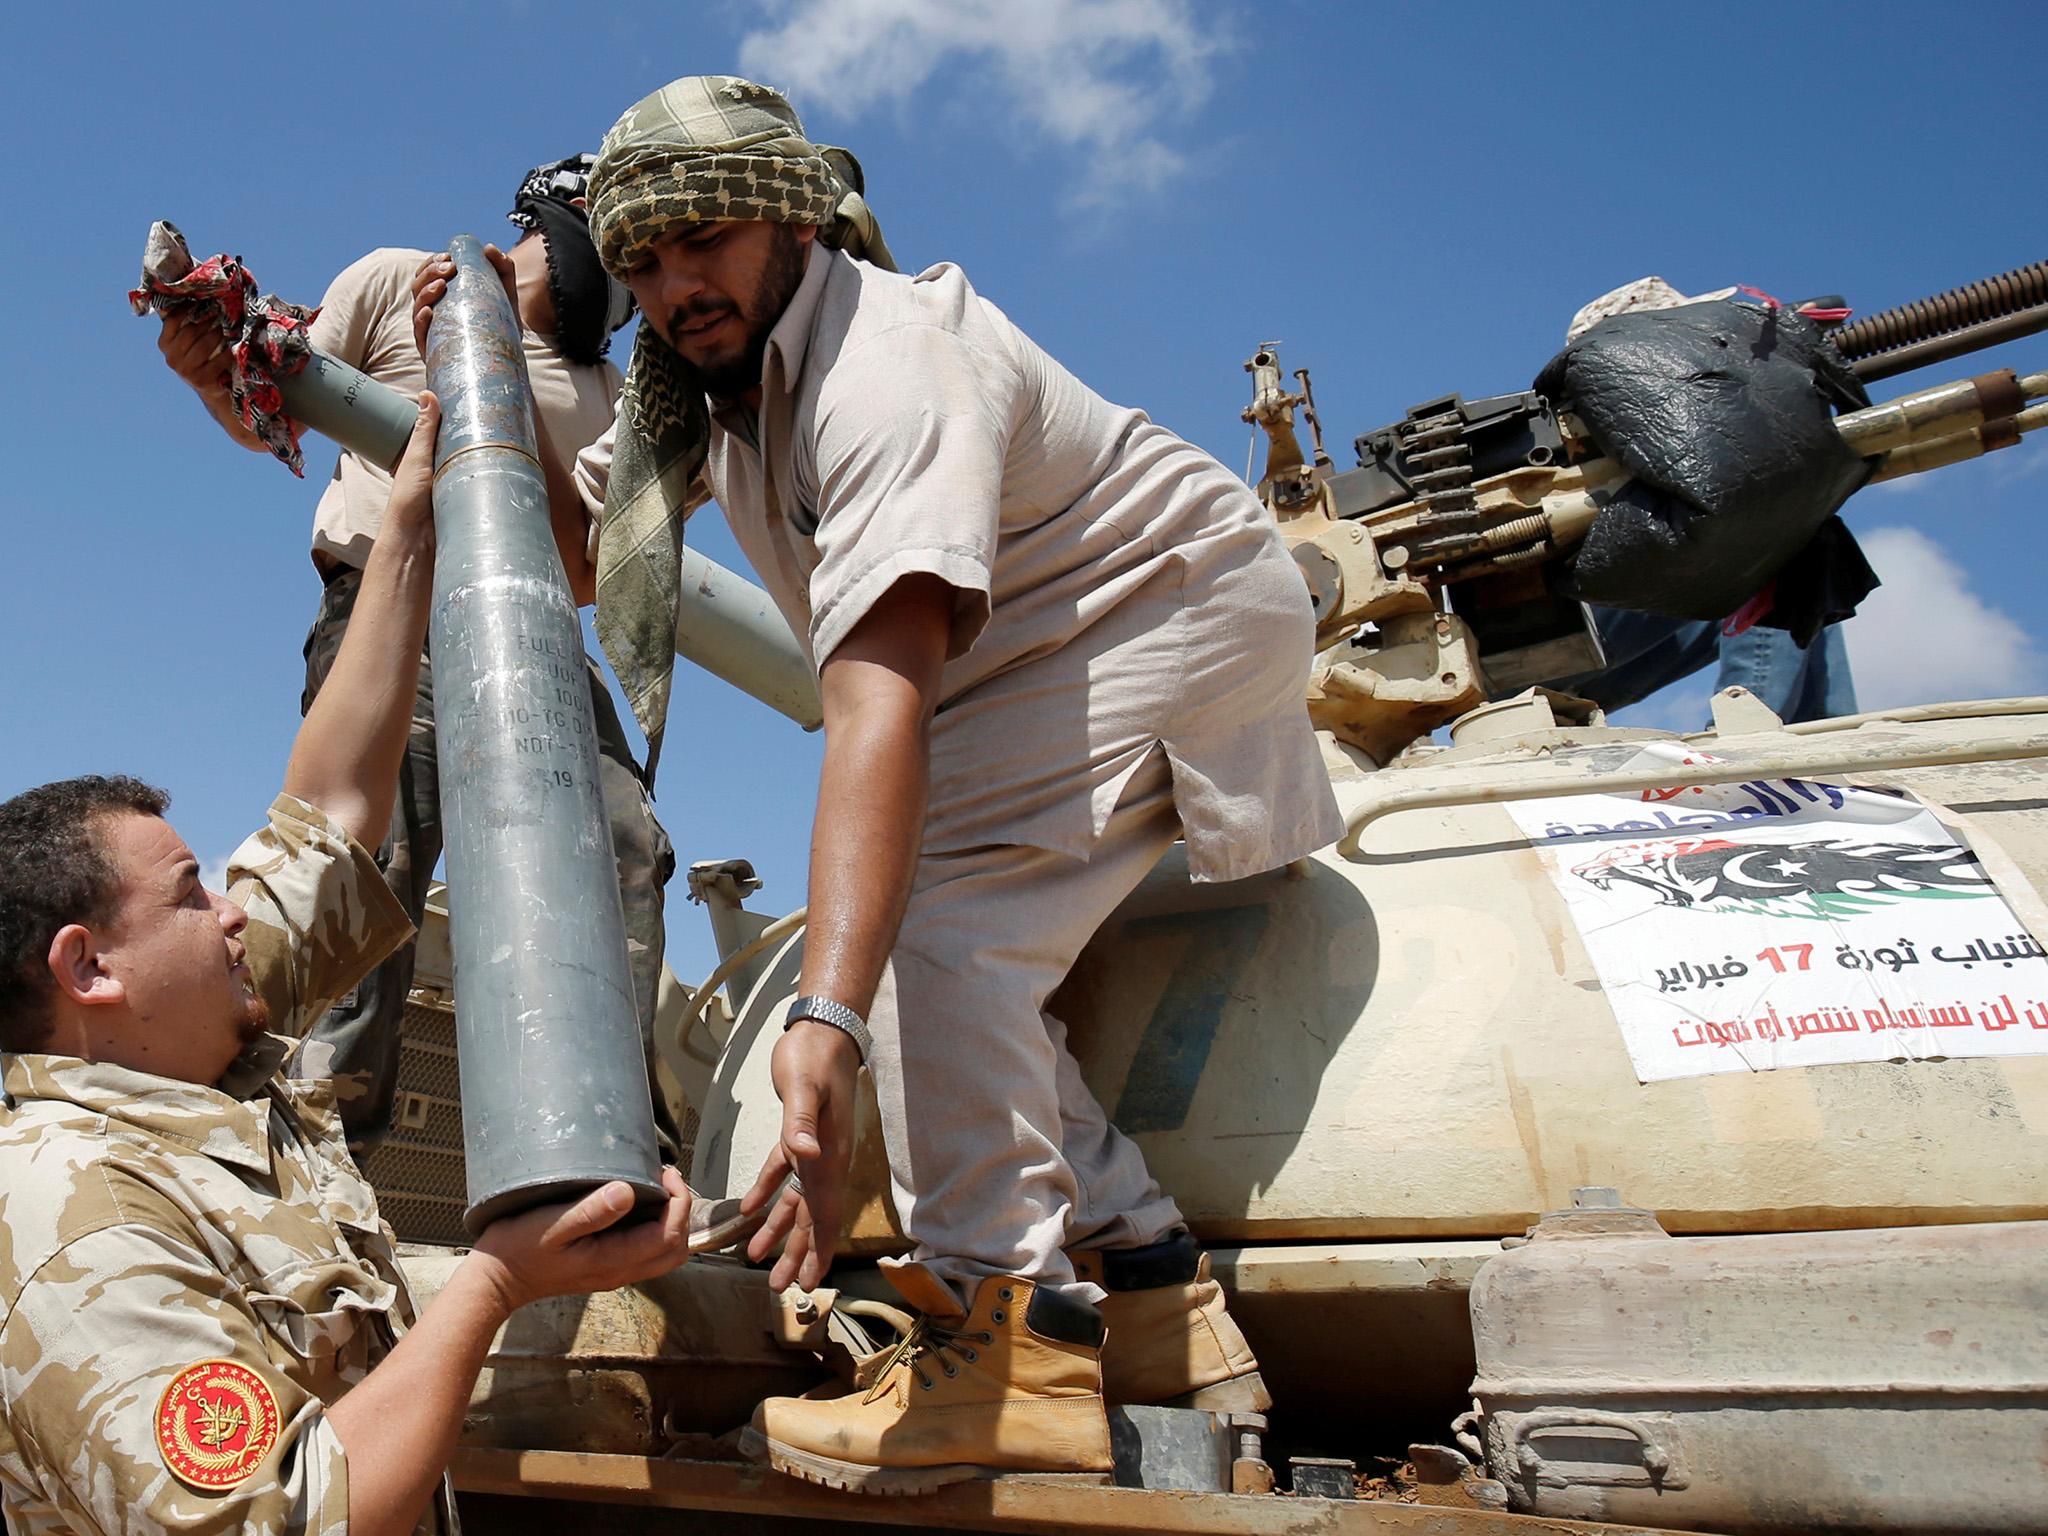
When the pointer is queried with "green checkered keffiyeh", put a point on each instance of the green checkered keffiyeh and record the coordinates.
(711, 147)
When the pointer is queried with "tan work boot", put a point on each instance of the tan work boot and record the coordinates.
(1171, 1343)
(1015, 1385)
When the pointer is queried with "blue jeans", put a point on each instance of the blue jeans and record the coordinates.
(1645, 653)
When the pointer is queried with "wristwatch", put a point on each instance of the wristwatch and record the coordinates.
(822, 1010)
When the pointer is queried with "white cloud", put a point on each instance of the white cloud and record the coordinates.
(2023, 461)
(213, 873)
(1102, 79)
(1925, 636)
(1904, 485)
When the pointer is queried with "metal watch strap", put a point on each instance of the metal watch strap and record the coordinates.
(822, 1010)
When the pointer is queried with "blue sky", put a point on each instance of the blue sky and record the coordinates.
(1413, 199)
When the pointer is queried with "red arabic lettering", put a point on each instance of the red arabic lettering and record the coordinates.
(1802, 955)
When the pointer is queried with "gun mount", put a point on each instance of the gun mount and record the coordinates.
(1433, 565)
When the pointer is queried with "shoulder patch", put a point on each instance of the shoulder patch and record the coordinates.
(215, 1423)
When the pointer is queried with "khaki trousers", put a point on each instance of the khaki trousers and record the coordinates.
(999, 1155)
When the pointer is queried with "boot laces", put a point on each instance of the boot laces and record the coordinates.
(928, 1342)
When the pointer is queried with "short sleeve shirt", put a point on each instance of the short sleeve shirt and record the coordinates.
(366, 320)
(216, 1238)
(1115, 589)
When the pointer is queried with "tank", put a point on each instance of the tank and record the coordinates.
(1369, 1078)
(1366, 1078)
(1410, 1043)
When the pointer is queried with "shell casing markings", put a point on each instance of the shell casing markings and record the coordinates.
(554, 1081)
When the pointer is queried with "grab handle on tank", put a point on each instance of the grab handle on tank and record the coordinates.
(1803, 758)
(1657, 1460)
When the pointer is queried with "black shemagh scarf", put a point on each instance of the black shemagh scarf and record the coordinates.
(589, 304)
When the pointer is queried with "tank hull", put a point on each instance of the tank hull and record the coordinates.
(1769, 1382)
(1414, 1043)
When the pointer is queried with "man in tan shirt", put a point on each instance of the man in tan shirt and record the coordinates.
(568, 310)
(1051, 638)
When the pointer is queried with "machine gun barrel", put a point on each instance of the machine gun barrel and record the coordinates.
(555, 1094)
(1938, 412)
(1937, 452)
(1946, 325)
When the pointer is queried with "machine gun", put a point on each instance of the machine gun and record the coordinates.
(1433, 566)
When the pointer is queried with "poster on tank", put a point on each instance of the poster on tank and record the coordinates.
(1788, 923)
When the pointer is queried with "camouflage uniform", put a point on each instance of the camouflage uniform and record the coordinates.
(363, 1027)
(152, 1225)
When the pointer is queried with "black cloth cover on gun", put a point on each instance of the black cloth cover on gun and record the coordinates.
(1722, 411)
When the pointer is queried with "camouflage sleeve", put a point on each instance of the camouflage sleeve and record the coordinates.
(129, 1354)
(320, 915)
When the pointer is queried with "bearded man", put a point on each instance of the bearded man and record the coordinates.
(1050, 638)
